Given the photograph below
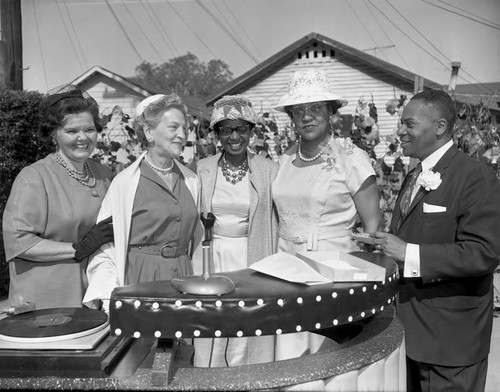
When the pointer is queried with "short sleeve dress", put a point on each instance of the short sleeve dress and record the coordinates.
(315, 203)
(160, 216)
(316, 212)
(46, 203)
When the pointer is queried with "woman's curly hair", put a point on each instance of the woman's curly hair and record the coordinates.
(56, 106)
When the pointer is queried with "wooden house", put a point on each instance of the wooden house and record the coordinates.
(111, 90)
(353, 74)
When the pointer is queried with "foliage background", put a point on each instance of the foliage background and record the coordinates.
(19, 147)
(476, 134)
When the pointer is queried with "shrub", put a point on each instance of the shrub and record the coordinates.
(19, 147)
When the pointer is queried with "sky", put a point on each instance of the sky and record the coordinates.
(62, 39)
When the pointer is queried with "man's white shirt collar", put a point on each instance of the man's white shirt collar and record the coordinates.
(429, 162)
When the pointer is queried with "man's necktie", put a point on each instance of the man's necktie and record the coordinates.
(406, 199)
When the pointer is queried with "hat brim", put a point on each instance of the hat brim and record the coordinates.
(289, 100)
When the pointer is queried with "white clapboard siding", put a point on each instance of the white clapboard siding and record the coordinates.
(349, 78)
(109, 93)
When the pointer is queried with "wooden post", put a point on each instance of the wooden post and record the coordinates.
(11, 45)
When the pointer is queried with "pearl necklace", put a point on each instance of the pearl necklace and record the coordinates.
(234, 176)
(85, 177)
(303, 158)
(167, 170)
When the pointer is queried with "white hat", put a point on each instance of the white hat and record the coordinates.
(139, 109)
(307, 86)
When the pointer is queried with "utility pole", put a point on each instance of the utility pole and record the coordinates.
(11, 44)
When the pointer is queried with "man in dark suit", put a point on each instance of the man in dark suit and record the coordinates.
(445, 235)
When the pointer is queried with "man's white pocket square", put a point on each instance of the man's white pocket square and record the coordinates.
(431, 208)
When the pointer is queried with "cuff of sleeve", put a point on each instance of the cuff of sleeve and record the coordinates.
(412, 261)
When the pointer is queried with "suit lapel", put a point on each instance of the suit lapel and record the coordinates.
(440, 168)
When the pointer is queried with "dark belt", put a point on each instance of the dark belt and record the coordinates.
(166, 251)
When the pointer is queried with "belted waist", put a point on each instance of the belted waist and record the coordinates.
(239, 229)
(166, 251)
(311, 239)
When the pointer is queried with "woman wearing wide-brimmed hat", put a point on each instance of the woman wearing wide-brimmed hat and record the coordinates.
(324, 182)
(236, 188)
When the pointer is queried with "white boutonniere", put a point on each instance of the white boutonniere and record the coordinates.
(429, 180)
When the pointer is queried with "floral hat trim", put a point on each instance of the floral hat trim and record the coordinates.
(233, 107)
(307, 86)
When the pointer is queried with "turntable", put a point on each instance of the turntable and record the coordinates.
(69, 342)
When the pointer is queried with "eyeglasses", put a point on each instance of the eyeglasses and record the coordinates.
(241, 130)
(314, 109)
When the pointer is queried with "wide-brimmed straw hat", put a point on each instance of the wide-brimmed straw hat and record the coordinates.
(233, 107)
(308, 86)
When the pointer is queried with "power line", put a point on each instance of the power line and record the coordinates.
(142, 30)
(462, 15)
(159, 23)
(40, 45)
(470, 13)
(240, 25)
(406, 35)
(189, 27)
(386, 35)
(235, 40)
(430, 43)
(124, 32)
(227, 24)
(83, 66)
(361, 22)
(69, 36)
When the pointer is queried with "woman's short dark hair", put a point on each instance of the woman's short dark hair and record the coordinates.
(54, 109)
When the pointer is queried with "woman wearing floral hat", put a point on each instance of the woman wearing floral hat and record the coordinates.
(236, 188)
(153, 203)
(323, 186)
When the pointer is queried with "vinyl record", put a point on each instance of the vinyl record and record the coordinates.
(52, 323)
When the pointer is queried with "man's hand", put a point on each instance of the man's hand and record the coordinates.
(390, 245)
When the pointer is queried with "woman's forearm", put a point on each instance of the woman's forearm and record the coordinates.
(48, 250)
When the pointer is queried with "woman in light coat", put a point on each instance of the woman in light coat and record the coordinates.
(153, 203)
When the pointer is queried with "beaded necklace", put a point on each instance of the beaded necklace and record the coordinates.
(235, 175)
(167, 170)
(303, 158)
(85, 177)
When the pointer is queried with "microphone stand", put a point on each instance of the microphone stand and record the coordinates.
(206, 284)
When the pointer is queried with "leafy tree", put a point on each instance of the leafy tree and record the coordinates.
(19, 147)
(184, 75)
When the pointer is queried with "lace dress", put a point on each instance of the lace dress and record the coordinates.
(316, 213)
